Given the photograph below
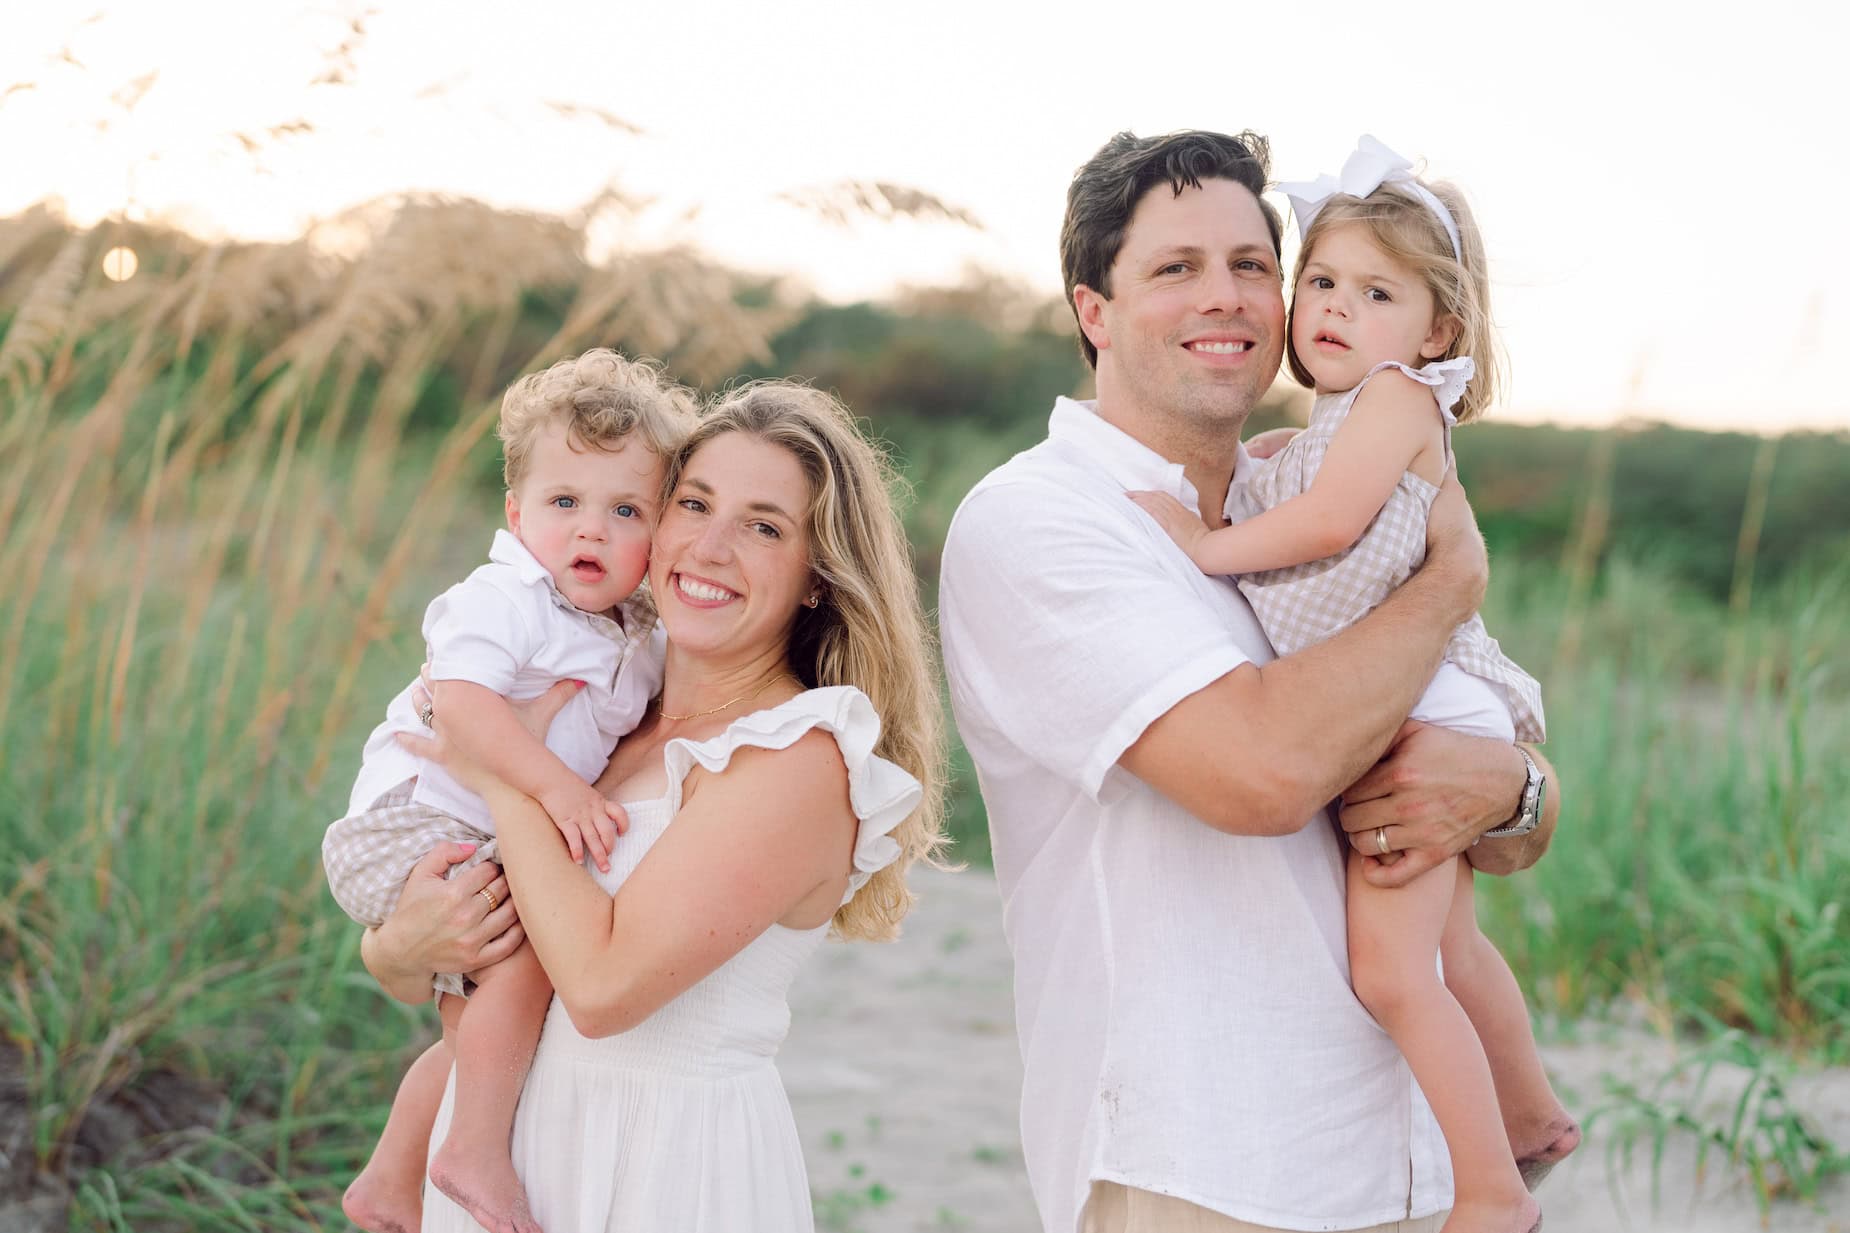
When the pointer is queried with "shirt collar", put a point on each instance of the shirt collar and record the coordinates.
(638, 612)
(1127, 460)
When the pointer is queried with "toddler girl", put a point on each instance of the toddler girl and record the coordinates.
(1390, 325)
(586, 443)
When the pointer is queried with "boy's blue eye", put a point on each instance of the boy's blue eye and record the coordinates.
(566, 502)
(627, 510)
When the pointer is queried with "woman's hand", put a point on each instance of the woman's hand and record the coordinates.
(535, 715)
(442, 924)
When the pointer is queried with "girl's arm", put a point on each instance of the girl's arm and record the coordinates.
(1392, 422)
(771, 833)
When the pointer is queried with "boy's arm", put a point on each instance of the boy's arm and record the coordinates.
(1391, 423)
(484, 726)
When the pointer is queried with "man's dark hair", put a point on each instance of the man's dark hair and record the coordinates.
(1105, 192)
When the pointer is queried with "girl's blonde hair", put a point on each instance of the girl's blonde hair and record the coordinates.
(869, 628)
(601, 398)
(1409, 232)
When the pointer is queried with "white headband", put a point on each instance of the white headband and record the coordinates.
(1371, 166)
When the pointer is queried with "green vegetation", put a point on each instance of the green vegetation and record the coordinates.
(233, 482)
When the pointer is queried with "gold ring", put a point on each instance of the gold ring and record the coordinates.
(1381, 844)
(494, 903)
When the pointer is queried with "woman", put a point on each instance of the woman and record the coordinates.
(788, 775)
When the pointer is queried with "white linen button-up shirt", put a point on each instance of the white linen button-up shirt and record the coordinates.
(507, 628)
(1182, 995)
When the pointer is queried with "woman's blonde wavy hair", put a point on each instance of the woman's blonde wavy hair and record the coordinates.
(869, 629)
(1409, 232)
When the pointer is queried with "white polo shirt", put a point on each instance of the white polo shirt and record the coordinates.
(507, 628)
(1182, 995)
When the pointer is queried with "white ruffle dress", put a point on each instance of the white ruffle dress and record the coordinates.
(681, 1123)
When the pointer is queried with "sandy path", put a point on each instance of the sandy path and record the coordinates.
(903, 1069)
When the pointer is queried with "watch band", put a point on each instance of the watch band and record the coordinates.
(1529, 808)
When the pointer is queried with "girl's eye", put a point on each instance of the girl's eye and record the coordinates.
(627, 510)
(1379, 296)
(565, 502)
(1321, 283)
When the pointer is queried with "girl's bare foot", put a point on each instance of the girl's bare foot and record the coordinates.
(381, 1204)
(484, 1185)
(1469, 1216)
(1556, 1141)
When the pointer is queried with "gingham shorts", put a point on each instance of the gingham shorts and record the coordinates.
(368, 855)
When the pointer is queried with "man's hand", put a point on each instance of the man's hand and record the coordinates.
(1178, 522)
(1431, 795)
(586, 819)
(1455, 550)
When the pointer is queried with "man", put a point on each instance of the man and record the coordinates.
(1155, 777)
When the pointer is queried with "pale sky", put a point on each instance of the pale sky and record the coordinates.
(1659, 185)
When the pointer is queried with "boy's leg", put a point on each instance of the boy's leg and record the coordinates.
(388, 1195)
(1393, 941)
(1541, 1134)
(495, 1036)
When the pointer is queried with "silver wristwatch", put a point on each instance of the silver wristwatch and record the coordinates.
(1529, 810)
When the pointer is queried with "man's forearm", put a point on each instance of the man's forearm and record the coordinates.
(1263, 748)
(1338, 704)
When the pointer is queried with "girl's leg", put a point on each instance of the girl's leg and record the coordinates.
(388, 1195)
(1541, 1134)
(495, 1036)
(1393, 939)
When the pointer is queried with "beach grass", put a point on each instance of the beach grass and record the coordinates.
(229, 491)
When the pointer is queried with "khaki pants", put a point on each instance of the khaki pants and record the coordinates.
(1114, 1208)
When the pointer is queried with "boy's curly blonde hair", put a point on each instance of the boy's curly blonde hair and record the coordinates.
(601, 398)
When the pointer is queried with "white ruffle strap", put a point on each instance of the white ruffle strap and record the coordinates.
(1447, 378)
(881, 794)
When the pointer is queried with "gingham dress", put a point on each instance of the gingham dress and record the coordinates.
(1301, 605)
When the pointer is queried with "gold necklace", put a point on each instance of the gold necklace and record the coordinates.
(745, 697)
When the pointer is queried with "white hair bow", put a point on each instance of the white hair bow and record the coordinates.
(1371, 166)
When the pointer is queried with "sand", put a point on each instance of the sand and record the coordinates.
(903, 1069)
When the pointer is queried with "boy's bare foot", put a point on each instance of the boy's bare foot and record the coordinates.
(1523, 1216)
(1557, 1142)
(384, 1205)
(485, 1186)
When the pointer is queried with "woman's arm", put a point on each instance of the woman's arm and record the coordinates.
(747, 848)
(1391, 423)
(441, 925)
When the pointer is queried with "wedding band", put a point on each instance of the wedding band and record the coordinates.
(1381, 845)
(427, 712)
(489, 895)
